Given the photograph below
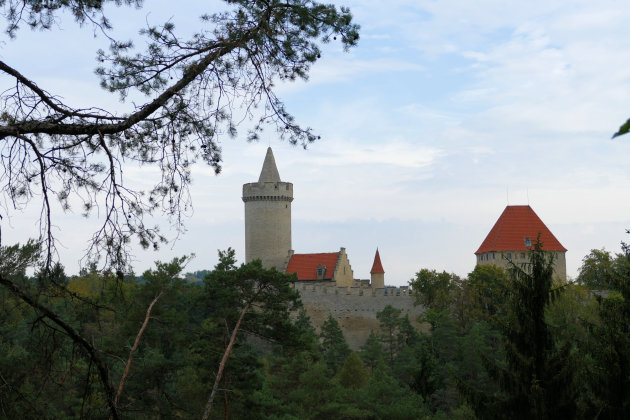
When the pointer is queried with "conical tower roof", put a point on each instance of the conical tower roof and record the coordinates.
(377, 267)
(269, 171)
(517, 230)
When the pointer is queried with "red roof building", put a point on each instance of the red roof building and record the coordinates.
(322, 267)
(514, 234)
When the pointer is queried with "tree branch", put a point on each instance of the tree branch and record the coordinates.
(136, 343)
(226, 354)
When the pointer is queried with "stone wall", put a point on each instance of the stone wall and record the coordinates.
(502, 258)
(268, 222)
(355, 308)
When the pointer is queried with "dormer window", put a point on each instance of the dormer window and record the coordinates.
(321, 272)
(528, 241)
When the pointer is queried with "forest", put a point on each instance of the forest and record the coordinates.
(238, 344)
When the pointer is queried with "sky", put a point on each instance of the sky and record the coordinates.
(445, 112)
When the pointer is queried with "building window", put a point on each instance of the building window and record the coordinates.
(493, 255)
(528, 241)
(522, 255)
(509, 256)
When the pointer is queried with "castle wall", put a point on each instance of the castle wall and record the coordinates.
(500, 259)
(355, 308)
(268, 222)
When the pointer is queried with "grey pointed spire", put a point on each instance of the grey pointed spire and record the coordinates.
(269, 171)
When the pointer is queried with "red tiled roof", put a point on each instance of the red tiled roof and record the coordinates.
(305, 265)
(377, 267)
(514, 225)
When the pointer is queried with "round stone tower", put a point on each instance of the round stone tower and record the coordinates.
(268, 216)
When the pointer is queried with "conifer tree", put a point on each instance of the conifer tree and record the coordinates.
(608, 382)
(535, 382)
(372, 351)
(389, 319)
(334, 346)
(352, 374)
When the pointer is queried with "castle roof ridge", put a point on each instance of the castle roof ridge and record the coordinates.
(516, 230)
(305, 265)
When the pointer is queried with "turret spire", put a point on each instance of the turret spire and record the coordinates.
(269, 171)
(377, 274)
(377, 267)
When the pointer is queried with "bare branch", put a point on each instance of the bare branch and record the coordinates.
(136, 343)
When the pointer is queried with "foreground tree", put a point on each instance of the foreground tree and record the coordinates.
(536, 381)
(608, 378)
(51, 150)
(252, 298)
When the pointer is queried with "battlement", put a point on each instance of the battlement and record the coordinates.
(356, 307)
(332, 289)
(268, 191)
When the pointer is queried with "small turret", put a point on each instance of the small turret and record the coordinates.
(377, 273)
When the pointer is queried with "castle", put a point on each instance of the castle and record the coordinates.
(326, 280)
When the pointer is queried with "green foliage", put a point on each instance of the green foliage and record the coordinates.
(625, 127)
(601, 271)
(45, 373)
(267, 292)
(334, 347)
(607, 377)
(517, 361)
(388, 399)
(596, 271)
(372, 351)
(352, 374)
(434, 290)
(536, 380)
(15, 259)
(389, 319)
(484, 294)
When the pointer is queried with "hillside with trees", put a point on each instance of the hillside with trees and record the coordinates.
(498, 344)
